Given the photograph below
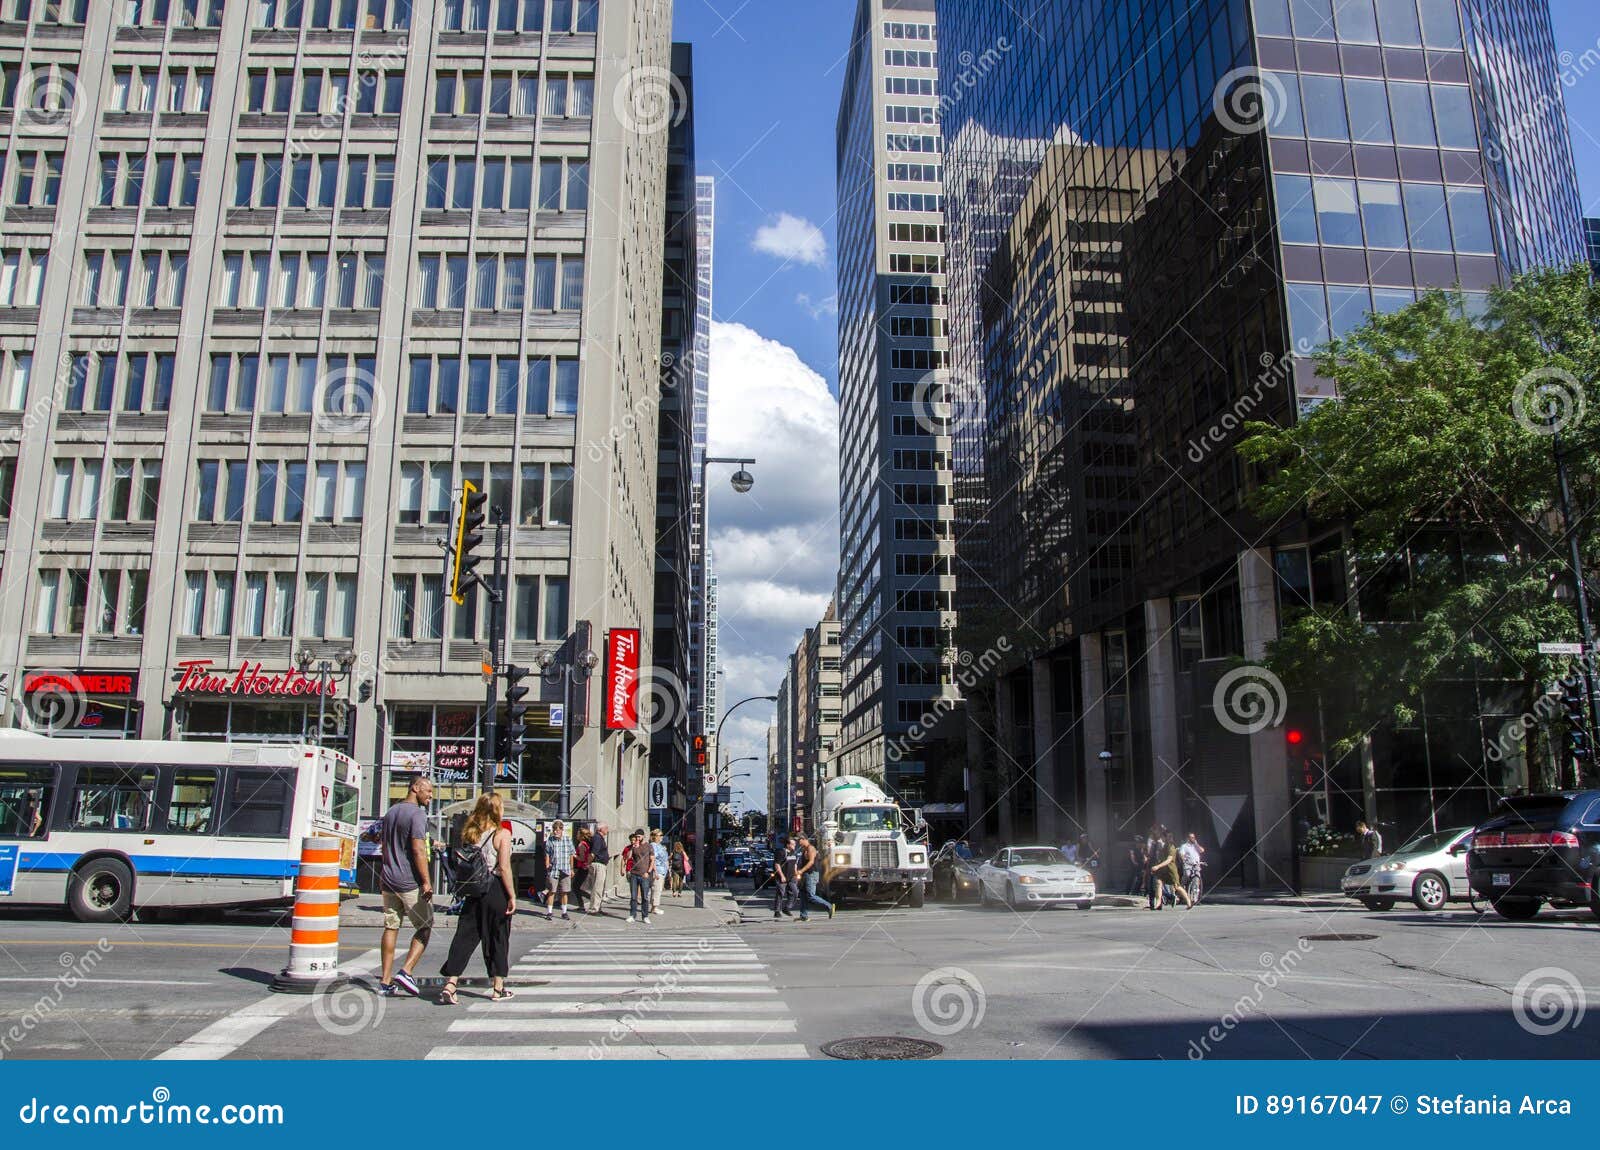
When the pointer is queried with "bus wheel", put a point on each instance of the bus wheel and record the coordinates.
(101, 890)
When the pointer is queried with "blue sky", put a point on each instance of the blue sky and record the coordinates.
(767, 81)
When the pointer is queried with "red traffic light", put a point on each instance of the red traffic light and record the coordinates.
(1295, 736)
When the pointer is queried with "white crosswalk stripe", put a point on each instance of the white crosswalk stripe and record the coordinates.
(664, 996)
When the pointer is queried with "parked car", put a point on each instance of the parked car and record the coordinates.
(955, 871)
(1538, 849)
(1430, 870)
(1035, 876)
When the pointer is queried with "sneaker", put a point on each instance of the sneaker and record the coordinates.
(775, 914)
(565, 917)
(805, 918)
(632, 919)
(387, 990)
(404, 981)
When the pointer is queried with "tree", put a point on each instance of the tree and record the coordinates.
(1438, 455)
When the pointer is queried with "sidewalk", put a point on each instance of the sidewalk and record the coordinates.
(679, 914)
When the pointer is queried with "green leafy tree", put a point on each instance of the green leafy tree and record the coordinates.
(1439, 456)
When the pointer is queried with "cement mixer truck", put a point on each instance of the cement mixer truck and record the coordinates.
(869, 849)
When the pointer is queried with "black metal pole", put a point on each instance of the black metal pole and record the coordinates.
(564, 805)
(1585, 627)
(494, 590)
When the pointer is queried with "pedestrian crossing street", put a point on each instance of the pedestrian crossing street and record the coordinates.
(636, 994)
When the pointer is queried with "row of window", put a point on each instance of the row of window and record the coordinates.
(901, 142)
(131, 13)
(312, 181)
(141, 89)
(909, 263)
(910, 114)
(1397, 23)
(909, 58)
(914, 173)
(897, 30)
(512, 94)
(1321, 312)
(1407, 113)
(500, 282)
(130, 491)
(909, 86)
(272, 90)
(915, 202)
(916, 233)
(540, 495)
(35, 178)
(301, 281)
(499, 385)
(561, 17)
(22, 273)
(538, 608)
(1383, 214)
(224, 492)
(916, 327)
(130, 179)
(94, 381)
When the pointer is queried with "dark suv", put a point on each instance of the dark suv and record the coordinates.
(1538, 849)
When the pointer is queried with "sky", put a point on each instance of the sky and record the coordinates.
(767, 76)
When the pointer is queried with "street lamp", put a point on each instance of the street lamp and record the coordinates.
(700, 804)
(324, 673)
(582, 667)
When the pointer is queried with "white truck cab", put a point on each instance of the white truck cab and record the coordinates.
(867, 851)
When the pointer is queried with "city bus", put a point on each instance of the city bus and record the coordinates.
(107, 827)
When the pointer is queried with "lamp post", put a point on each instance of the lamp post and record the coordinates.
(324, 667)
(582, 668)
(700, 805)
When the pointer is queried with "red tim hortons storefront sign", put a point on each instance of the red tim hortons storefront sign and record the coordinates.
(196, 677)
(622, 679)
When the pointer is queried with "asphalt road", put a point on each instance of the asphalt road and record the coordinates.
(1221, 981)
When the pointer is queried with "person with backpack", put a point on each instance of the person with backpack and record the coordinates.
(481, 867)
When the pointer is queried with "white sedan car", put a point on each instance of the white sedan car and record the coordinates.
(1035, 876)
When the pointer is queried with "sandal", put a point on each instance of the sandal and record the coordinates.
(447, 997)
(501, 995)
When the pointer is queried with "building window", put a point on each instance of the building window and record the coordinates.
(568, 95)
(417, 607)
(35, 179)
(135, 489)
(22, 274)
(220, 490)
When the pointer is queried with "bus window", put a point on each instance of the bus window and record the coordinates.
(191, 805)
(25, 794)
(258, 803)
(346, 804)
(112, 799)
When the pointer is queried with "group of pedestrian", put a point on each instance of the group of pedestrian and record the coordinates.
(794, 878)
(1165, 869)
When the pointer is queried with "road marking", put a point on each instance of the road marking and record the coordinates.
(623, 977)
(671, 1007)
(117, 981)
(567, 989)
(608, 1053)
(232, 1031)
(547, 966)
(631, 1025)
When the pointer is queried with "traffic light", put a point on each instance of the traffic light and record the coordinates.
(1573, 709)
(516, 738)
(469, 534)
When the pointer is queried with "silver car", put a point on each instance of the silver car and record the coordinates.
(1430, 870)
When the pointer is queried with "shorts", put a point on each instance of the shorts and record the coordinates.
(559, 883)
(401, 906)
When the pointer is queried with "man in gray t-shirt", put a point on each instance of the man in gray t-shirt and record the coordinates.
(406, 884)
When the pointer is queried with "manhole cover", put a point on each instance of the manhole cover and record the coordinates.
(887, 1049)
(1337, 937)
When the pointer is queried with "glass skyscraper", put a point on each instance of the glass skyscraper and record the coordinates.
(1156, 210)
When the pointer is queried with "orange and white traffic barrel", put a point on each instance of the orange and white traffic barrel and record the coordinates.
(314, 935)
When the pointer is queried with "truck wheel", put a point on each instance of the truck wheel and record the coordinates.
(915, 895)
(1516, 909)
(101, 890)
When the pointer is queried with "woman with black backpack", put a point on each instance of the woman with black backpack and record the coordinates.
(482, 869)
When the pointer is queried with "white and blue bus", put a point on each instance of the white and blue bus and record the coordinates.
(110, 826)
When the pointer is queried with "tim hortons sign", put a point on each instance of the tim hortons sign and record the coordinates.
(622, 679)
(196, 677)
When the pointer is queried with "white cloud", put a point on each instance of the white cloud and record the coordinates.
(792, 238)
(818, 308)
(777, 548)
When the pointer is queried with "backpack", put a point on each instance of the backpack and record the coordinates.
(470, 869)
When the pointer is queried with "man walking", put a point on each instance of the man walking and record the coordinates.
(640, 860)
(658, 880)
(1371, 840)
(809, 872)
(558, 869)
(599, 869)
(406, 886)
(785, 891)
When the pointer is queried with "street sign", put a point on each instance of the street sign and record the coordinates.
(658, 793)
(558, 715)
(1560, 648)
(725, 795)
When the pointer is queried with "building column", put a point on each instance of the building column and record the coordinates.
(1097, 808)
(1048, 818)
(1005, 732)
(1161, 689)
(977, 799)
(1269, 760)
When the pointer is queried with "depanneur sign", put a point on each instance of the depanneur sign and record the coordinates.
(622, 679)
(196, 677)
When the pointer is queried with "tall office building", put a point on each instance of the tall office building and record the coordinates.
(671, 715)
(1145, 242)
(895, 585)
(287, 276)
(702, 680)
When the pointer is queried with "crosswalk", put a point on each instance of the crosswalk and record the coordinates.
(631, 995)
